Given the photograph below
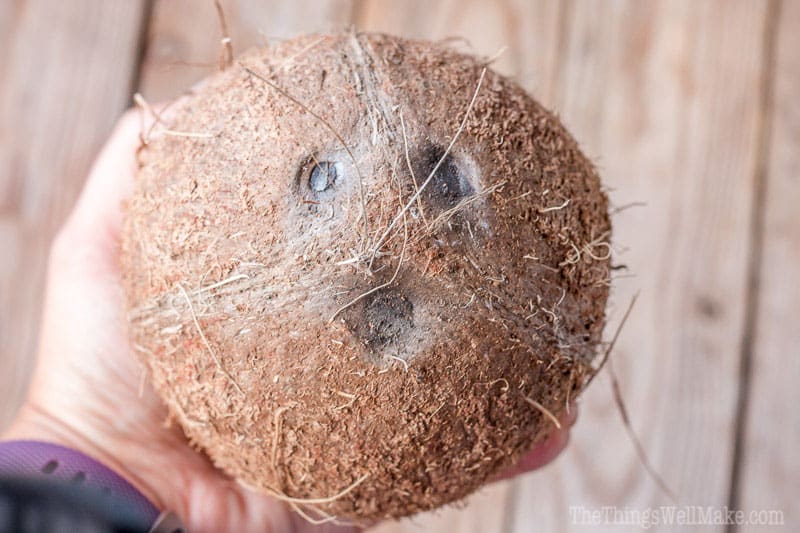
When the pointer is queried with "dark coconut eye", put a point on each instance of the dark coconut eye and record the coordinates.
(323, 175)
(449, 185)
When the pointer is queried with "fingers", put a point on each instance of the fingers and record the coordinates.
(96, 220)
(546, 451)
(97, 216)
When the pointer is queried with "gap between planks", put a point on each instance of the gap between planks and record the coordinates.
(756, 246)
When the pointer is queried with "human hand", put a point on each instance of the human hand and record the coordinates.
(89, 392)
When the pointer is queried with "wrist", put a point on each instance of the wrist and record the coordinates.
(36, 424)
(56, 483)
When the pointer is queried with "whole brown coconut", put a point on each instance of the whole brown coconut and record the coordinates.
(364, 272)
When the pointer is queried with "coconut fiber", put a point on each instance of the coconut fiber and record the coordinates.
(364, 272)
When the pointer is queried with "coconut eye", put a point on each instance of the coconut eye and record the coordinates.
(449, 184)
(323, 175)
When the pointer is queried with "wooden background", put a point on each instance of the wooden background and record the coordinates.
(692, 107)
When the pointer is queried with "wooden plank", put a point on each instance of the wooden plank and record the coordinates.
(184, 37)
(529, 33)
(770, 464)
(665, 94)
(66, 73)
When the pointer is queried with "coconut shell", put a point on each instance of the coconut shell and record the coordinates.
(341, 309)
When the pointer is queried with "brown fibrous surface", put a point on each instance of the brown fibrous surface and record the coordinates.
(339, 310)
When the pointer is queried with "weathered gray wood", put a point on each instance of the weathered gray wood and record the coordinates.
(770, 462)
(67, 69)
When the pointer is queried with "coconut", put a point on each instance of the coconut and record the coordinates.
(366, 274)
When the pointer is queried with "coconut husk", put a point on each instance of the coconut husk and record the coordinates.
(366, 273)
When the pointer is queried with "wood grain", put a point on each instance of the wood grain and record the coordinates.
(184, 37)
(67, 75)
(665, 95)
(770, 463)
